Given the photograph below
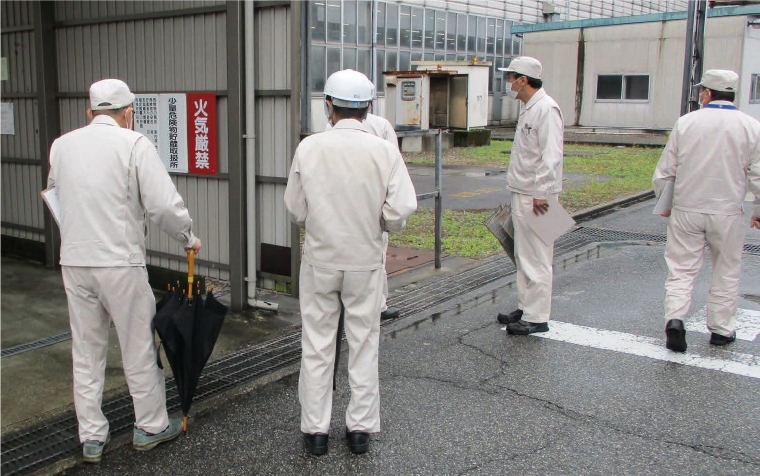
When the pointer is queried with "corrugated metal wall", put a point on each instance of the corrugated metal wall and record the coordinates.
(275, 124)
(22, 212)
(155, 47)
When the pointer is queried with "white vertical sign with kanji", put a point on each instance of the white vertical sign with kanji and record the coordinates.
(146, 116)
(172, 140)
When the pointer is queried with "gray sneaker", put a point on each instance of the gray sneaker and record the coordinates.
(143, 441)
(92, 450)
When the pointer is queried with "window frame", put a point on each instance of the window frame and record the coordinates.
(623, 83)
(754, 88)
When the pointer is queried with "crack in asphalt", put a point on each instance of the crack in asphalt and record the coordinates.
(709, 450)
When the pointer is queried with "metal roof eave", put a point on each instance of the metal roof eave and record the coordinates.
(654, 17)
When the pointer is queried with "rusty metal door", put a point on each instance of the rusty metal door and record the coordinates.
(458, 102)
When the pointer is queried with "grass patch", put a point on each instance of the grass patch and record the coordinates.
(629, 169)
(463, 233)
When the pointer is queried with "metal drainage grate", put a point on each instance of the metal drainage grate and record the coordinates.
(37, 344)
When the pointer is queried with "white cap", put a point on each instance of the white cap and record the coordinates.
(110, 94)
(349, 88)
(526, 66)
(720, 80)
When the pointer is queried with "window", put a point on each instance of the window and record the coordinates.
(363, 62)
(380, 24)
(481, 35)
(451, 32)
(406, 27)
(333, 21)
(318, 22)
(490, 36)
(317, 69)
(440, 30)
(333, 61)
(754, 86)
(461, 32)
(380, 61)
(349, 22)
(417, 56)
(405, 61)
(391, 34)
(429, 29)
(365, 21)
(349, 58)
(619, 87)
(417, 21)
(391, 60)
(472, 29)
(499, 37)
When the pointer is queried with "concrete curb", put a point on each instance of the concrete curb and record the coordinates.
(623, 202)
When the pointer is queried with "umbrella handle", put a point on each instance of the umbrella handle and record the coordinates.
(190, 272)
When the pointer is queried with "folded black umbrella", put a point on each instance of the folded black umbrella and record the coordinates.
(189, 327)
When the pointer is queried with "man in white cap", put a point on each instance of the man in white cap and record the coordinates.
(383, 129)
(535, 180)
(712, 156)
(346, 186)
(108, 178)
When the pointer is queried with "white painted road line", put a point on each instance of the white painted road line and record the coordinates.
(747, 323)
(730, 362)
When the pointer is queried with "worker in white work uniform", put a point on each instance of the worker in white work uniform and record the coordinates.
(346, 186)
(383, 129)
(712, 155)
(534, 179)
(108, 178)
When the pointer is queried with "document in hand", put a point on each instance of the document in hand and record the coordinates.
(665, 201)
(50, 196)
(500, 224)
(552, 224)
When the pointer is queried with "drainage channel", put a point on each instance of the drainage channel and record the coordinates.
(41, 445)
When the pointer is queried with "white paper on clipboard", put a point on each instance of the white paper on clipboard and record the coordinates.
(50, 196)
(665, 201)
(552, 224)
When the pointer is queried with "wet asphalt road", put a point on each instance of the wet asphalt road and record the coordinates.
(459, 396)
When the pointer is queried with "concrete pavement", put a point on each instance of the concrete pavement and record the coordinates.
(459, 396)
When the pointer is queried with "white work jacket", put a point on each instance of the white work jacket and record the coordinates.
(347, 186)
(712, 155)
(535, 164)
(107, 179)
(377, 125)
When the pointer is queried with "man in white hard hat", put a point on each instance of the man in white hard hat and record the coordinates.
(383, 129)
(534, 177)
(108, 179)
(712, 155)
(346, 186)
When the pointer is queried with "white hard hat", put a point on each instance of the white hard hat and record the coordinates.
(720, 80)
(110, 94)
(525, 65)
(349, 88)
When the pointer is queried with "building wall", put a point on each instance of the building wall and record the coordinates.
(750, 67)
(655, 49)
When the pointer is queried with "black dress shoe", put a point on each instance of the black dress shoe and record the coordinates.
(317, 443)
(358, 441)
(717, 339)
(390, 313)
(523, 328)
(510, 318)
(675, 336)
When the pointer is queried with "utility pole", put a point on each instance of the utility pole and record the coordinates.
(694, 55)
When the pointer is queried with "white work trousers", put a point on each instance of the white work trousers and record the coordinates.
(534, 264)
(322, 291)
(688, 234)
(384, 300)
(124, 294)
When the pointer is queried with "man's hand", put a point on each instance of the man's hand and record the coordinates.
(540, 206)
(666, 213)
(196, 246)
(754, 222)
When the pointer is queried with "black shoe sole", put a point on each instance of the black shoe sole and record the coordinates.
(721, 341)
(525, 332)
(675, 340)
(358, 449)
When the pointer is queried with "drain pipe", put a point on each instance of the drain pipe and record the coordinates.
(250, 160)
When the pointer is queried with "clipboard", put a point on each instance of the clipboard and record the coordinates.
(50, 197)
(665, 201)
(552, 224)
